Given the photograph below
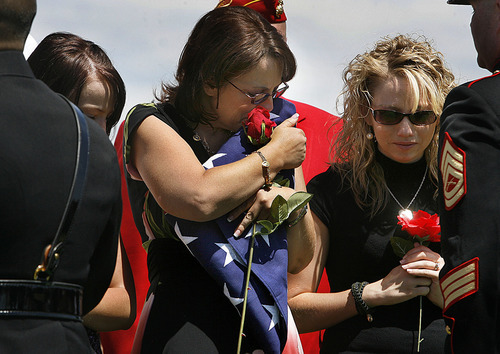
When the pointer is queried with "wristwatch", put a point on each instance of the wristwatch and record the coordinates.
(265, 170)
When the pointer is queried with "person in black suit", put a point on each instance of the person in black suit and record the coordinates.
(38, 144)
(469, 161)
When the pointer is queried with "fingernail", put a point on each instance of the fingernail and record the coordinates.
(237, 233)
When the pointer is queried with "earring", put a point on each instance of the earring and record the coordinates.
(369, 136)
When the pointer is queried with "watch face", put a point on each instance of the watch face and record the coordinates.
(265, 164)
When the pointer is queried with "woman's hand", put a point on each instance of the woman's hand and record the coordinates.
(417, 275)
(396, 287)
(258, 207)
(287, 146)
(423, 262)
(300, 236)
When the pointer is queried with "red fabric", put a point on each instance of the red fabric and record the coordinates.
(119, 342)
(269, 9)
(316, 125)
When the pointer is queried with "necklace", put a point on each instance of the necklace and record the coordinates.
(204, 142)
(197, 137)
(405, 212)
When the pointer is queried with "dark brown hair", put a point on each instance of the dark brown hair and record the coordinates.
(65, 61)
(225, 43)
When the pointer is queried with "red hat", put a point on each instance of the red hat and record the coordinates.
(272, 10)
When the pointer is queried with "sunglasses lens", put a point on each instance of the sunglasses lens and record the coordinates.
(392, 117)
(423, 118)
(388, 117)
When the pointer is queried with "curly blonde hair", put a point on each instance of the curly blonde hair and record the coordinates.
(353, 153)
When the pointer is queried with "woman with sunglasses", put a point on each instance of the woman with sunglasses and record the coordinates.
(384, 162)
(220, 80)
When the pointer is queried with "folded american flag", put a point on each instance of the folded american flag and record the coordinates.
(225, 258)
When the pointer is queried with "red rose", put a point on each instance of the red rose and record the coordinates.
(426, 228)
(422, 225)
(258, 127)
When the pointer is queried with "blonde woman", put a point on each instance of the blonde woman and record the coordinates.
(384, 162)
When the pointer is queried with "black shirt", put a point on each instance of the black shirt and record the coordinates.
(360, 250)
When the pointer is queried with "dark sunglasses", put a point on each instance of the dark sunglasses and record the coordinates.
(386, 117)
(261, 97)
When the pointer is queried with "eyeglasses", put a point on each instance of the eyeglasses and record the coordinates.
(261, 97)
(386, 117)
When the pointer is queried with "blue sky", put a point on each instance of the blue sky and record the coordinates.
(145, 37)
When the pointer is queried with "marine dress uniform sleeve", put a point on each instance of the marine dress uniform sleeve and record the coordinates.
(469, 162)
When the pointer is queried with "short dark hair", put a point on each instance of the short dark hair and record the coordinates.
(16, 17)
(65, 61)
(225, 43)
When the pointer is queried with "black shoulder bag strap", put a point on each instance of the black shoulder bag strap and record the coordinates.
(51, 254)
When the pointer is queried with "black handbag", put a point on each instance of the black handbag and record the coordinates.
(42, 297)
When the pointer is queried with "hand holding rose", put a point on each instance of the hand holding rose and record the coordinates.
(423, 262)
(261, 130)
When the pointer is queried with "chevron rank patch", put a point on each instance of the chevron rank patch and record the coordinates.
(460, 282)
(452, 167)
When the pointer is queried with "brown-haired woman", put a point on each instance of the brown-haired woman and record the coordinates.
(75, 68)
(233, 61)
(385, 160)
(80, 70)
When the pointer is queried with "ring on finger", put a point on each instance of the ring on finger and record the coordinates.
(436, 266)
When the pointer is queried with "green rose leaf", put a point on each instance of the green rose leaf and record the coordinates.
(401, 245)
(266, 227)
(298, 200)
(281, 210)
(280, 181)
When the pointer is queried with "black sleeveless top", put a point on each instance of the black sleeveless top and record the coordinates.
(189, 312)
(360, 250)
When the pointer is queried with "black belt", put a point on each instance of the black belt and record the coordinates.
(37, 299)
